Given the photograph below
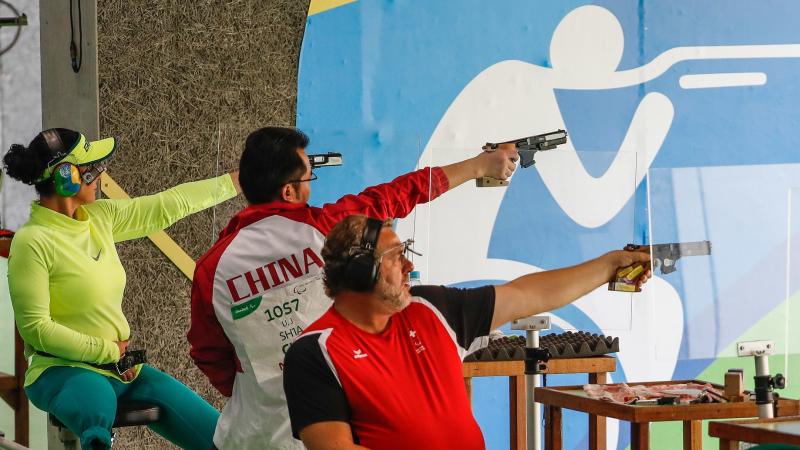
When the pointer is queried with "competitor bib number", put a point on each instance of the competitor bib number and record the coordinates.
(285, 309)
(268, 324)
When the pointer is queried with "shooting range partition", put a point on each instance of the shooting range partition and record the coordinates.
(706, 304)
(462, 239)
(792, 299)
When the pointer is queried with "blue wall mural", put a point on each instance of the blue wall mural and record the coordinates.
(682, 119)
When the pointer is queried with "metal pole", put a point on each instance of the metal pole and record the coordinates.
(765, 409)
(764, 383)
(534, 415)
(532, 325)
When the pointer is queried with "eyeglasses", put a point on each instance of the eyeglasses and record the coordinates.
(406, 249)
(311, 178)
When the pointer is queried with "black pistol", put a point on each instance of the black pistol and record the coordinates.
(527, 148)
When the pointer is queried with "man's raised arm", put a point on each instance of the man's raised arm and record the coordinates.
(397, 198)
(498, 164)
(548, 290)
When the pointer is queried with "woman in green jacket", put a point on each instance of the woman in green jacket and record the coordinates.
(66, 283)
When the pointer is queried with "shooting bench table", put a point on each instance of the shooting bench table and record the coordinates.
(780, 430)
(692, 415)
(596, 367)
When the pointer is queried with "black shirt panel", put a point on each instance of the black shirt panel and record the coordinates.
(468, 311)
(312, 391)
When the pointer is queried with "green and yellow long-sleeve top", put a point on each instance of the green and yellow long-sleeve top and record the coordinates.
(66, 280)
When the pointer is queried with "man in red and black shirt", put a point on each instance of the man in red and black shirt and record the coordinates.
(381, 368)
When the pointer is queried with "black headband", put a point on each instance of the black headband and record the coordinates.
(369, 240)
(55, 144)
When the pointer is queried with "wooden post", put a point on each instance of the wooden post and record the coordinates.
(21, 413)
(517, 413)
(640, 436)
(552, 434)
(597, 424)
(692, 435)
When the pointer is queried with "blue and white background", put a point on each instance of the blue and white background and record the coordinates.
(682, 121)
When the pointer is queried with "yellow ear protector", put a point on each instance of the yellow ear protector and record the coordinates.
(361, 271)
(66, 176)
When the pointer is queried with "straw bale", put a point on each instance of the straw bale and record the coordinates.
(181, 85)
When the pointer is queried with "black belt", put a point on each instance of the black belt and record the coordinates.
(130, 359)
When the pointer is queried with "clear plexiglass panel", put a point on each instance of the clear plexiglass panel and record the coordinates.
(726, 280)
(791, 308)
(565, 209)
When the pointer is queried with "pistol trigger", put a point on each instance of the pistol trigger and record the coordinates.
(668, 266)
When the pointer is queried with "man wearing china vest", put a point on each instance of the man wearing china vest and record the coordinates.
(381, 369)
(260, 285)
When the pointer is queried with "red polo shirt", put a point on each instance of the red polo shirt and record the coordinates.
(402, 388)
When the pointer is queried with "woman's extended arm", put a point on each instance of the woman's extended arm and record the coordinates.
(141, 216)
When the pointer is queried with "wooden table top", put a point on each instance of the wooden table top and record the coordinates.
(780, 430)
(574, 397)
(593, 364)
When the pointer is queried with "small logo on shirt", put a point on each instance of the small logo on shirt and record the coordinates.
(97, 258)
(416, 342)
(358, 354)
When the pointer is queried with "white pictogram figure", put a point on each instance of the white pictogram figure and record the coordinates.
(514, 98)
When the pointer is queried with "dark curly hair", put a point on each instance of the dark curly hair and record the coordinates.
(336, 253)
(269, 161)
(26, 164)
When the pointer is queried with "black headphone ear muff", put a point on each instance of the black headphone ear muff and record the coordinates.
(65, 175)
(361, 271)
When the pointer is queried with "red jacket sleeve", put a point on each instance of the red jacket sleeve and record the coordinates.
(395, 199)
(210, 348)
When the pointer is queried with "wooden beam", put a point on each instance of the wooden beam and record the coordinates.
(162, 240)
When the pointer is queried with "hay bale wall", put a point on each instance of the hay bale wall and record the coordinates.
(181, 85)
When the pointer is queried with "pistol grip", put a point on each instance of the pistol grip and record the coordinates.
(490, 182)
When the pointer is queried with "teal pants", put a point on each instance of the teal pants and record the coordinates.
(86, 402)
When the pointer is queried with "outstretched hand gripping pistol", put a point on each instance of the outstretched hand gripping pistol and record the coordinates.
(527, 148)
